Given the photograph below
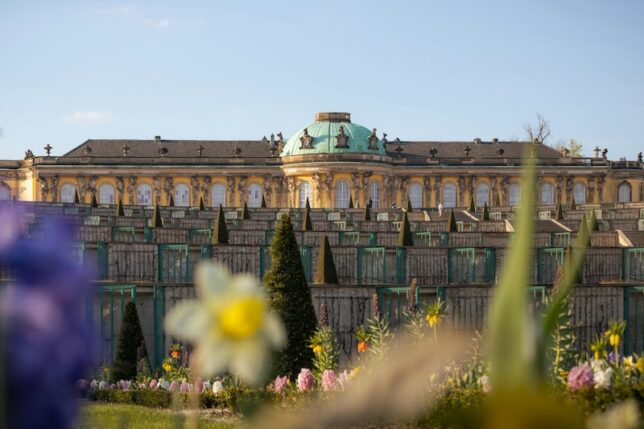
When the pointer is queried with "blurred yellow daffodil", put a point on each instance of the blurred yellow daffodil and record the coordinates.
(231, 324)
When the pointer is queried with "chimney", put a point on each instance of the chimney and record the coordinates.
(157, 139)
(495, 140)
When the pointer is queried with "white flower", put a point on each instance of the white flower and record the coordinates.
(621, 416)
(484, 383)
(603, 378)
(206, 386)
(102, 385)
(217, 387)
(231, 324)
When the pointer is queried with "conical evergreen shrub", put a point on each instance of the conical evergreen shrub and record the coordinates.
(76, 197)
(171, 200)
(451, 222)
(290, 297)
(593, 225)
(472, 207)
(486, 212)
(244, 214)
(573, 204)
(220, 230)
(202, 206)
(366, 214)
(350, 201)
(119, 208)
(559, 216)
(325, 272)
(94, 202)
(263, 205)
(409, 207)
(405, 238)
(129, 340)
(157, 222)
(307, 205)
(307, 225)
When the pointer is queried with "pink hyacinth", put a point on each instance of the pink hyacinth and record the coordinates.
(153, 384)
(305, 380)
(580, 376)
(329, 380)
(199, 384)
(174, 386)
(343, 379)
(185, 388)
(280, 384)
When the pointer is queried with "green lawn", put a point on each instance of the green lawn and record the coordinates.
(101, 415)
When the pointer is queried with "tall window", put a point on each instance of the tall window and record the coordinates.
(5, 192)
(305, 194)
(579, 192)
(218, 195)
(515, 194)
(375, 195)
(342, 195)
(624, 193)
(449, 195)
(547, 194)
(67, 193)
(181, 195)
(416, 195)
(482, 195)
(254, 195)
(144, 195)
(106, 194)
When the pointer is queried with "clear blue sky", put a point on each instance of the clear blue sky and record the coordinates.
(433, 70)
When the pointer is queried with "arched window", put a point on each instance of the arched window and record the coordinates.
(515, 194)
(342, 195)
(106, 194)
(416, 195)
(482, 195)
(449, 195)
(579, 192)
(181, 195)
(305, 194)
(144, 195)
(375, 195)
(547, 194)
(67, 193)
(5, 192)
(254, 195)
(624, 193)
(218, 195)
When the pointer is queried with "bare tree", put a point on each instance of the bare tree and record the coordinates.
(539, 133)
(575, 149)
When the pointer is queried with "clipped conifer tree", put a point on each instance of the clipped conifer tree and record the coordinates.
(76, 197)
(486, 212)
(451, 222)
(290, 297)
(263, 205)
(171, 201)
(119, 208)
(202, 206)
(220, 230)
(559, 216)
(325, 272)
(593, 225)
(472, 207)
(405, 238)
(245, 214)
(573, 204)
(409, 207)
(157, 222)
(94, 202)
(307, 225)
(307, 205)
(350, 201)
(129, 340)
(366, 214)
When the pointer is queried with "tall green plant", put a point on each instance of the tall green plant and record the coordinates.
(220, 230)
(129, 340)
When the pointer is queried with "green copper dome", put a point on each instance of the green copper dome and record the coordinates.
(333, 132)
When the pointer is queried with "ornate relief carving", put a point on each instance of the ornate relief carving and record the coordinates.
(156, 188)
(54, 188)
(230, 191)
(591, 190)
(389, 189)
(342, 140)
(494, 185)
(267, 187)
(206, 183)
(328, 187)
(306, 139)
(291, 190)
(241, 188)
(600, 189)
(461, 190)
(437, 189)
(82, 187)
(195, 187)
(569, 182)
(44, 188)
(91, 186)
(168, 187)
(318, 186)
(373, 140)
(427, 189)
(131, 189)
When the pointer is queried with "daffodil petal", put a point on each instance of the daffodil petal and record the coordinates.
(274, 331)
(246, 283)
(188, 320)
(212, 358)
(250, 361)
(212, 279)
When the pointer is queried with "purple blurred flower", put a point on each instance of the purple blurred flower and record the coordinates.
(153, 384)
(305, 380)
(329, 380)
(611, 357)
(185, 388)
(174, 386)
(47, 337)
(280, 384)
(580, 376)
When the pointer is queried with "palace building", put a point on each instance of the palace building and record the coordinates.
(332, 162)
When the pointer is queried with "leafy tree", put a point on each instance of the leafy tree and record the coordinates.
(220, 230)
(290, 297)
(127, 350)
(575, 149)
(325, 272)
